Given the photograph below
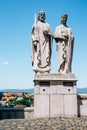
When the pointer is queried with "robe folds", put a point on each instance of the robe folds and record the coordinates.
(65, 42)
(41, 47)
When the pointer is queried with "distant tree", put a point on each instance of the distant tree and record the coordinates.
(28, 101)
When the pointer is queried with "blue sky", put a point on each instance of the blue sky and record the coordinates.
(16, 20)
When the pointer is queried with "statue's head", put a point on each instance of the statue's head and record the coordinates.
(41, 16)
(64, 18)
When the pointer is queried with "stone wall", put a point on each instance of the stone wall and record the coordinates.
(16, 113)
(28, 113)
(82, 104)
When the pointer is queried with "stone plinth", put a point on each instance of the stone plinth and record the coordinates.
(55, 95)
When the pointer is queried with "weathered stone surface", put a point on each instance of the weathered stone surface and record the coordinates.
(55, 77)
(41, 45)
(41, 106)
(56, 105)
(59, 123)
(70, 105)
(55, 95)
(64, 39)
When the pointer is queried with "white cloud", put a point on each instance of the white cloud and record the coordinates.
(5, 62)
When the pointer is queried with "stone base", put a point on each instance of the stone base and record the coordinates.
(55, 95)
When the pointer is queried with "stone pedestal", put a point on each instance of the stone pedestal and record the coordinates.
(55, 95)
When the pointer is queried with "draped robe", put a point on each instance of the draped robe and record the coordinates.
(64, 48)
(41, 47)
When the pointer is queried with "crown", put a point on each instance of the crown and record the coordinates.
(64, 16)
(41, 12)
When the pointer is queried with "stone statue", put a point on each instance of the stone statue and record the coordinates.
(41, 45)
(65, 40)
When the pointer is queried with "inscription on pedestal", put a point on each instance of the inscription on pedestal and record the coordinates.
(68, 84)
(43, 83)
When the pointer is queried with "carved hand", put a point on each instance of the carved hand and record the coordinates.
(45, 32)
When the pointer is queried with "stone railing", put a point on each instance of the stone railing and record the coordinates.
(82, 104)
(28, 112)
(16, 113)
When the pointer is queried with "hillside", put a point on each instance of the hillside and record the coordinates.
(79, 90)
(82, 90)
(18, 90)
